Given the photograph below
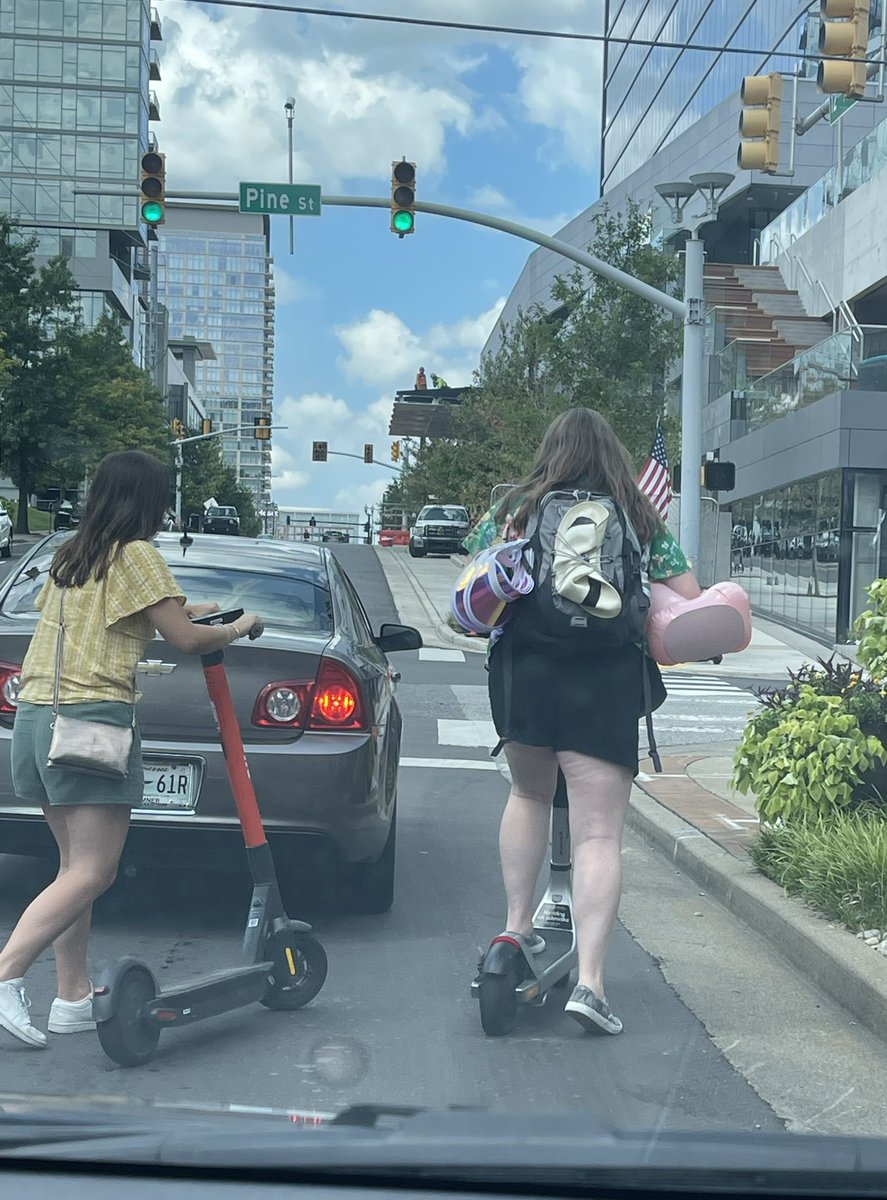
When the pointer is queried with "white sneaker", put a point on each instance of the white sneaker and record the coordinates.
(71, 1016)
(14, 1015)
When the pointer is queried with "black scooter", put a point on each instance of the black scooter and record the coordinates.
(284, 966)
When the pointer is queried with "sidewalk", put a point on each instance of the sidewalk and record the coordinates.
(690, 813)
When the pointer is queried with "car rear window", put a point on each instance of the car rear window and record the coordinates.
(300, 599)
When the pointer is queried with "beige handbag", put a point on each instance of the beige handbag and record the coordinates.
(91, 747)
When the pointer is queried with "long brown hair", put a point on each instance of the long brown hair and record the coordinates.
(580, 450)
(127, 499)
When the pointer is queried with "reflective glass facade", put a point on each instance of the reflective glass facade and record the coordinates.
(73, 107)
(807, 552)
(217, 287)
(653, 94)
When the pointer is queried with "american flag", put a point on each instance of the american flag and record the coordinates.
(655, 480)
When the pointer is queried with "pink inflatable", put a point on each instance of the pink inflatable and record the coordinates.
(717, 622)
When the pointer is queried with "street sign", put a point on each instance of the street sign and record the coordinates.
(287, 199)
(838, 106)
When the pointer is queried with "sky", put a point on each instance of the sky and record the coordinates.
(502, 124)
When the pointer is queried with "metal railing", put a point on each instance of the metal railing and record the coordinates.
(852, 358)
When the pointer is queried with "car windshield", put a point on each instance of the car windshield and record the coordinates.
(440, 513)
(223, 512)
(298, 599)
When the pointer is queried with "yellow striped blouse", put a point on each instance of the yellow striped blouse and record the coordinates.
(106, 630)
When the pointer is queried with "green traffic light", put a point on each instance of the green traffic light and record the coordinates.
(152, 212)
(403, 221)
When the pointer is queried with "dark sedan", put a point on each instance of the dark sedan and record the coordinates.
(317, 708)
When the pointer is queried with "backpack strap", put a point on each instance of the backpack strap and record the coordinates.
(648, 714)
(507, 680)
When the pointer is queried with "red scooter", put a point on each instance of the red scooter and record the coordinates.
(284, 966)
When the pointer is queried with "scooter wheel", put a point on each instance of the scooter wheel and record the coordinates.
(300, 966)
(127, 1037)
(498, 1004)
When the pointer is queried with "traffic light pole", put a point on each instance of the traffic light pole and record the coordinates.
(360, 458)
(202, 437)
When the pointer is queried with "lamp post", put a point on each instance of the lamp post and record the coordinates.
(289, 108)
(677, 196)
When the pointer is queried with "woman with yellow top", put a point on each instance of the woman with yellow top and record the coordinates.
(117, 591)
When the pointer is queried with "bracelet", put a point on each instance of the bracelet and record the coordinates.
(233, 635)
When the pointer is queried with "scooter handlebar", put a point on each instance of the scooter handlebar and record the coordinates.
(257, 630)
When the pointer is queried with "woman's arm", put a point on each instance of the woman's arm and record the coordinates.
(686, 585)
(174, 626)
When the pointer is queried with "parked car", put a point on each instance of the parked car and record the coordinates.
(5, 533)
(334, 535)
(439, 529)
(316, 698)
(222, 519)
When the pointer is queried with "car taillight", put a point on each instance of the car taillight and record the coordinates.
(283, 705)
(337, 700)
(10, 686)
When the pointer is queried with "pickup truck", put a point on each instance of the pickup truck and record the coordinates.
(439, 529)
(223, 519)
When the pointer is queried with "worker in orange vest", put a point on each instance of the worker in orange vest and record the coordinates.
(421, 381)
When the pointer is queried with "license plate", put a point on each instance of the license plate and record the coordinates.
(170, 786)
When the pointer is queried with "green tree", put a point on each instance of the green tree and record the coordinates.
(205, 476)
(112, 405)
(599, 346)
(39, 315)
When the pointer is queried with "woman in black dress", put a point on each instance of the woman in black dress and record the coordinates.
(576, 712)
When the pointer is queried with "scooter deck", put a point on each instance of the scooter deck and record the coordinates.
(555, 962)
(211, 995)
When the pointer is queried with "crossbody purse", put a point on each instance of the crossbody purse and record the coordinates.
(91, 747)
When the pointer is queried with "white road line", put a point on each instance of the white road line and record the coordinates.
(466, 733)
(454, 764)
(430, 654)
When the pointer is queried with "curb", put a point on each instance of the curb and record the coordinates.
(825, 953)
(438, 628)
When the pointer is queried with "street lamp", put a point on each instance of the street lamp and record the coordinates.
(289, 108)
(677, 196)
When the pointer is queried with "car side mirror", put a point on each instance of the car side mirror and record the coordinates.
(398, 637)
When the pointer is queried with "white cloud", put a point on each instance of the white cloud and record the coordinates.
(381, 349)
(561, 90)
(288, 289)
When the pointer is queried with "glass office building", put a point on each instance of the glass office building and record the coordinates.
(653, 93)
(215, 279)
(75, 105)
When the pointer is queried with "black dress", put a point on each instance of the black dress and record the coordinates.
(589, 703)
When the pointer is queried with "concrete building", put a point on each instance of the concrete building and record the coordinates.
(796, 291)
(215, 281)
(75, 107)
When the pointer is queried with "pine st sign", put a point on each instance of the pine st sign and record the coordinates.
(283, 199)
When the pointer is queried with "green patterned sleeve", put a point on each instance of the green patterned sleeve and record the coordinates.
(667, 559)
(484, 534)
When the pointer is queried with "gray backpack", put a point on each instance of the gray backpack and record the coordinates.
(591, 586)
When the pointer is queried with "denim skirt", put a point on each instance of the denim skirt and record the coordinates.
(36, 783)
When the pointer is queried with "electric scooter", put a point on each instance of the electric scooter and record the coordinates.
(508, 975)
(284, 966)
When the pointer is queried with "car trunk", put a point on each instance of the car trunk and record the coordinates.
(175, 707)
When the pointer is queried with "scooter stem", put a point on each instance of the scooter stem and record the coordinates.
(235, 755)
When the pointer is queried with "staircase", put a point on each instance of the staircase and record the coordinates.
(763, 319)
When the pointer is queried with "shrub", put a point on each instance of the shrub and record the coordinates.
(871, 629)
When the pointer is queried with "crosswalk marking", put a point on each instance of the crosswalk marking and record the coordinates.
(430, 654)
(452, 764)
(466, 733)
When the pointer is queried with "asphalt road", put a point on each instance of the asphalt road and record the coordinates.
(718, 1033)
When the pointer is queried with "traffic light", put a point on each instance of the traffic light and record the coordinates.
(207, 425)
(844, 39)
(760, 121)
(318, 452)
(403, 198)
(395, 451)
(153, 188)
(178, 429)
(262, 428)
(367, 452)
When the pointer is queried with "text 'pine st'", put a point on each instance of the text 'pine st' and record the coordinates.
(288, 199)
